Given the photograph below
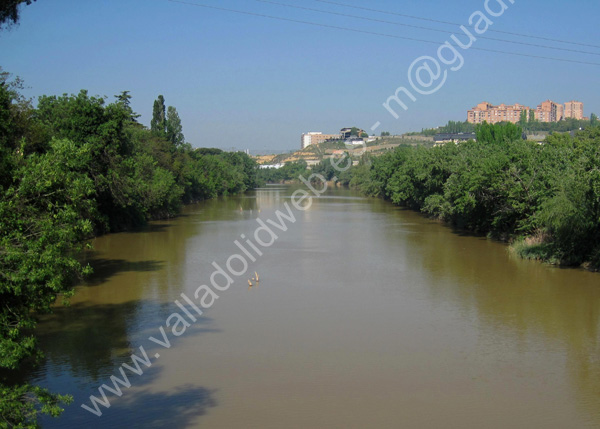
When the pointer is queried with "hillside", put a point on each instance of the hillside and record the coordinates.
(316, 153)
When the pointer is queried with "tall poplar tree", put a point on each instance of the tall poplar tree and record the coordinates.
(174, 128)
(159, 119)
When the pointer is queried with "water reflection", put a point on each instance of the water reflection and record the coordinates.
(88, 340)
(87, 343)
(543, 308)
(176, 408)
(104, 269)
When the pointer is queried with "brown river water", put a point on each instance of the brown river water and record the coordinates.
(366, 316)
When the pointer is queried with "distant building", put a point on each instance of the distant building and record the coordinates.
(311, 138)
(574, 109)
(548, 111)
(486, 112)
(354, 141)
(346, 133)
(312, 162)
(443, 138)
(269, 166)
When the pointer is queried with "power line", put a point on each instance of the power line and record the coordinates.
(423, 28)
(354, 30)
(454, 23)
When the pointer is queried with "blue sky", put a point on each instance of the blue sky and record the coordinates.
(252, 82)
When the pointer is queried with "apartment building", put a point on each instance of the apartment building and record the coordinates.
(574, 109)
(548, 111)
(493, 114)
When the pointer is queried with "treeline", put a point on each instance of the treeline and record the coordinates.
(291, 172)
(544, 197)
(137, 174)
(71, 168)
(527, 123)
(450, 127)
(562, 126)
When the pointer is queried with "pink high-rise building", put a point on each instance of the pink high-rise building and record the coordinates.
(548, 111)
(574, 109)
(493, 114)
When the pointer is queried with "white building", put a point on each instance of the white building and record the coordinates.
(354, 141)
(269, 166)
(307, 139)
(316, 138)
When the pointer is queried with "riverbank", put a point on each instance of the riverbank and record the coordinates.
(544, 199)
(72, 168)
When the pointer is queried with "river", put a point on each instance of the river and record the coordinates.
(366, 315)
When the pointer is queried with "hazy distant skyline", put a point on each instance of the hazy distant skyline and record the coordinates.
(258, 83)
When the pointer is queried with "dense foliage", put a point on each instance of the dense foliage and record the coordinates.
(290, 171)
(546, 197)
(9, 11)
(450, 127)
(565, 125)
(527, 123)
(71, 168)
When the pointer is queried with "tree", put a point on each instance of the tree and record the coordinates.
(174, 128)
(94, 171)
(124, 100)
(158, 125)
(593, 119)
(45, 218)
(531, 116)
(498, 133)
(6, 160)
(9, 11)
(571, 217)
(523, 118)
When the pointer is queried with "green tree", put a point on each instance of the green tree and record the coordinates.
(593, 119)
(571, 216)
(523, 118)
(174, 128)
(45, 216)
(498, 133)
(9, 11)
(124, 100)
(86, 120)
(6, 142)
(158, 125)
(72, 167)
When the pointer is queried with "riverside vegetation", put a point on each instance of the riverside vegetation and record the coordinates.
(71, 168)
(545, 198)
